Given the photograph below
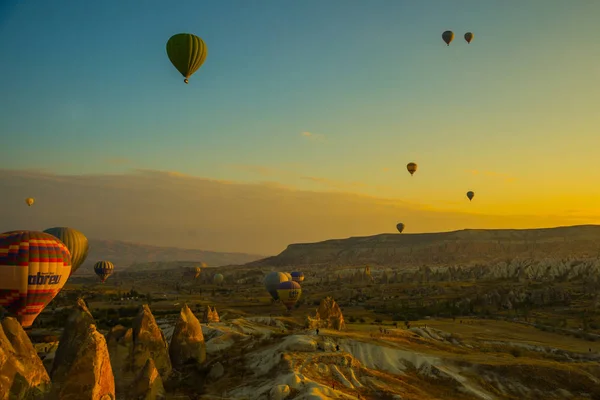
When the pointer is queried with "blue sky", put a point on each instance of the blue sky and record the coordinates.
(87, 87)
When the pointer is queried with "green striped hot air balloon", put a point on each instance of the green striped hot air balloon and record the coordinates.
(187, 53)
(104, 269)
(75, 241)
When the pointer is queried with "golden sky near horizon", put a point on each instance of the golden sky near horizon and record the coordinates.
(176, 210)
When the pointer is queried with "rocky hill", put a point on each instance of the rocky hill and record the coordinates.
(123, 254)
(465, 247)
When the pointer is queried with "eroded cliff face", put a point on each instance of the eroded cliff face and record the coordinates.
(148, 384)
(466, 247)
(22, 374)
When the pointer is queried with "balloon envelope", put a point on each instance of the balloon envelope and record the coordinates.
(289, 293)
(187, 53)
(34, 267)
(469, 36)
(447, 37)
(218, 279)
(272, 281)
(470, 195)
(75, 241)
(400, 227)
(29, 201)
(104, 269)
(411, 167)
(297, 276)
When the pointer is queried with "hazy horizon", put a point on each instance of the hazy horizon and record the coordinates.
(299, 125)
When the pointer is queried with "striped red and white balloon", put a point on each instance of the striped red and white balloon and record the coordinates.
(34, 267)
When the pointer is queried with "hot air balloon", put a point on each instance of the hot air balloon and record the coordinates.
(289, 293)
(289, 276)
(411, 167)
(29, 201)
(448, 37)
(470, 195)
(197, 271)
(203, 264)
(469, 36)
(187, 53)
(104, 269)
(400, 227)
(272, 281)
(75, 241)
(34, 267)
(297, 276)
(218, 279)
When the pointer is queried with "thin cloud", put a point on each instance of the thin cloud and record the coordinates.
(118, 161)
(386, 169)
(313, 136)
(491, 174)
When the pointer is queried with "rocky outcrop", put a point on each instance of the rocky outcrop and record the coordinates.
(81, 368)
(210, 315)
(328, 315)
(74, 332)
(130, 349)
(465, 247)
(149, 342)
(90, 376)
(187, 343)
(22, 374)
(148, 385)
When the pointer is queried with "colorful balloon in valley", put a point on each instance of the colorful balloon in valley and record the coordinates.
(75, 241)
(272, 281)
(34, 267)
(448, 37)
(187, 53)
(411, 167)
(29, 201)
(197, 271)
(289, 293)
(470, 195)
(104, 269)
(400, 227)
(469, 37)
(218, 279)
(298, 276)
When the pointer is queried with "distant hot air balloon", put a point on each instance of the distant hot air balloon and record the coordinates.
(470, 195)
(203, 265)
(297, 276)
(289, 293)
(34, 267)
(469, 36)
(29, 201)
(197, 271)
(187, 53)
(104, 269)
(218, 279)
(411, 167)
(400, 227)
(448, 37)
(272, 281)
(75, 241)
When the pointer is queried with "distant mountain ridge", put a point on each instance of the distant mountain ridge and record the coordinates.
(464, 247)
(123, 254)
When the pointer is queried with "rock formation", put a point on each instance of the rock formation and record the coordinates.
(328, 315)
(120, 346)
(22, 375)
(149, 342)
(187, 342)
(81, 368)
(210, 315)
(148, 385)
